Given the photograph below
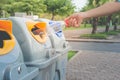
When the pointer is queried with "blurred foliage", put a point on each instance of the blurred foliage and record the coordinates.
(115, 18)
(28, 6)
(59, 7)
(82, 26)
(53, 7)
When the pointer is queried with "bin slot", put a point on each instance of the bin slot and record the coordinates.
(35, 30)
(38, 31)
(7, 40)
(3, 36)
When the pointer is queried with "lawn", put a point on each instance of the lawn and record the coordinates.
(71, 54)
(102, 35)
(81, 27)
(94, 36)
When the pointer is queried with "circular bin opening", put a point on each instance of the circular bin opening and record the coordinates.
(38, 31)
(7, 41)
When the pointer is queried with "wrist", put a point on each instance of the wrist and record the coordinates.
(84, 15)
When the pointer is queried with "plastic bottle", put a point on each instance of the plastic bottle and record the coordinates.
(66, 23)
(57, 27)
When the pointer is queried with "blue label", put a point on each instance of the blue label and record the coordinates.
(57, 28)
(59, 34)
(51, 22)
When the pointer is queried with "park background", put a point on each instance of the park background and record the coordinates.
(60, 9)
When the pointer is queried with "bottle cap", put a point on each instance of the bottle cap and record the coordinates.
(66, 23)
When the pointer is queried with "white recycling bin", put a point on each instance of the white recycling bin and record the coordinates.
(55, 31)
(36, 46)
(12, 66)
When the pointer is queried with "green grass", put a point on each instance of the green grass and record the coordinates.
(81, 27)
(102, 35)
(94, 36)
(71, 54)
(113, 32)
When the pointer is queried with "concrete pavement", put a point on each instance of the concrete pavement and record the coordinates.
(76, 33)
(94, 65)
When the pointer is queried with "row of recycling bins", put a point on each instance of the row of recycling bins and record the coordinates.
(32, 50)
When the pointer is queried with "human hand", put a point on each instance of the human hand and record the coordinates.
(75, 19)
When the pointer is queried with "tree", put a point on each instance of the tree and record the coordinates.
(2, 2)
(115, 21)
(108, 20)
(32, 6)
(60, 7)
(93, 4)
(28, 6)
(12, 7)
(96, 3)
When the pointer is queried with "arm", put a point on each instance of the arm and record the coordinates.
(108, 8)
(103, 10)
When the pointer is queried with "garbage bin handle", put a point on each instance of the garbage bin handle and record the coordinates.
(63, 51)
(44, 64)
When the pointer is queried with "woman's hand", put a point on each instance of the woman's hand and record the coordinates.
(75, 19)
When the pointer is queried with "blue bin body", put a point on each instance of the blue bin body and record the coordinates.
(35, 54)
(31, 60)
(12, 66)
(55, 31)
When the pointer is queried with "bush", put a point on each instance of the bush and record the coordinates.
(81, 27)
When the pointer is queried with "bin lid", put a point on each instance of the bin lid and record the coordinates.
(7, 40)
(38, 31)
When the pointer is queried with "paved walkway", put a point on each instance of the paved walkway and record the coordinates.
(91, 65)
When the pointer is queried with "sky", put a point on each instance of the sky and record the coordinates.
(79, 4)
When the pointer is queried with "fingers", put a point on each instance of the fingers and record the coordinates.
(75, 20)
(79, 21)
(72, 21)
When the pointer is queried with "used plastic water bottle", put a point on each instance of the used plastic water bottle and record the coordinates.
(57, 27)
